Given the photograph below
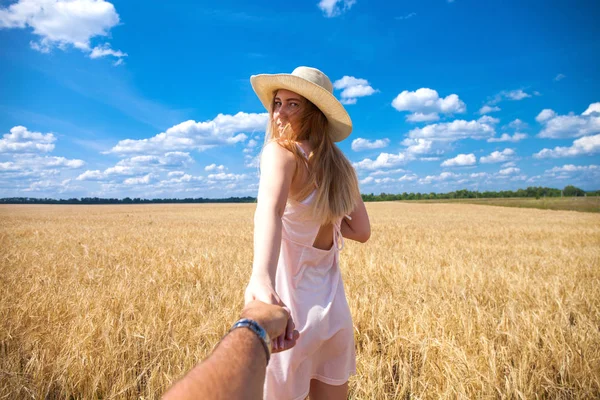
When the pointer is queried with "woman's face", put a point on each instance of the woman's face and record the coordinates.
(288, 109)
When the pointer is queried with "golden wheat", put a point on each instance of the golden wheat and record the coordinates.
(448, 300)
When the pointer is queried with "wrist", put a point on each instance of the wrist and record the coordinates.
(258, 331)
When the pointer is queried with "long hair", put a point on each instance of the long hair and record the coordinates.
(329, 170)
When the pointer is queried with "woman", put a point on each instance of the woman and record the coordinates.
(308, 201)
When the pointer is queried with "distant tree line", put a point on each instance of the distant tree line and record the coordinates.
(126, 200)
(532, 191)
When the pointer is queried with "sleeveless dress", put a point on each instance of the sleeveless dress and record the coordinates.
(309, 282)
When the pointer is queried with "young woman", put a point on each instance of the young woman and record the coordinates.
(308, 202)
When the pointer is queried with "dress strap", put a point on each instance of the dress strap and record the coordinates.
(338, 239)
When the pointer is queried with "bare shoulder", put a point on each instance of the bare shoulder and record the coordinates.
(274, 155)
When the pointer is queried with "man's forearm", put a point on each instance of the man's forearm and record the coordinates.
(235, 370)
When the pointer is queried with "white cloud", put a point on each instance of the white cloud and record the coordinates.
(559, 77)
(515, 95)
(384, 160)
(352, 88)
(429, 159)
(486, 119)
(222, 176)
(62, 23)
(360, 144)
(509, 171)
(567, 126)
(452, 131)
(593, 108)
(505, 137)
(252, 162)
(517, 124)
(574, 168)
(498, 156)
(333, 8)
(419, 146)
(138, 165)
(20, 140)
(142, 180)
(436, 178)
(367, 180)
(424, 103)
(26, 162)
(585, 146)
(105, 50)
(488, 109)
(190, 135)
(388, 172)
(50, 186)
(215, 167)
(460, 160)
(175, 173)
(509, 164)
(545, 115)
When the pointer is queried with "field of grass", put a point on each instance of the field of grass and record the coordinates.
(448, 300)
(586, 204)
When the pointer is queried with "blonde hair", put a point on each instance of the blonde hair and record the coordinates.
(329, 170)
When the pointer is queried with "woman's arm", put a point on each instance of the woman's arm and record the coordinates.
(358, 227)
(277, 169)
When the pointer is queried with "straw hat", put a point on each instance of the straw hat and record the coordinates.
(314, 86)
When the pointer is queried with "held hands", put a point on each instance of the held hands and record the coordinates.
(277, 321)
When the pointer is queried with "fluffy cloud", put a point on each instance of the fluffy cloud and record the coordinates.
(62, 23)
(436, 178)
(498, 156)
(222, 176)
(192, 135)
(420, 146)
(352, 88)
(215, 167)
(505, 137)
(426, 104)
(139, 165)
(514, 95)
(486, 119)
(488, 109)
(361, 144)
(460, 160)
(20, 140)
(452, 131)
(384, 160)
(574, 168)
(333, 8)
(584, 146)
(509, 171)
(142, 180)
(567, 126)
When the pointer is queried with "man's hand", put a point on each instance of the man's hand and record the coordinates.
(276, 321)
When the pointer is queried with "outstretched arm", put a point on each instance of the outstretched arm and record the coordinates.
(277, 170)
(357, 227)
(236, 368)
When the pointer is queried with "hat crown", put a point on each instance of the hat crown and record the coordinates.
(315, 76)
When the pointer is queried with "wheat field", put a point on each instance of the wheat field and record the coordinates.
(448, 300)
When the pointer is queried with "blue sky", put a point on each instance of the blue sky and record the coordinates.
(153, 99)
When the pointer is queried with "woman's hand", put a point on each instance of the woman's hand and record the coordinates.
(261, 288)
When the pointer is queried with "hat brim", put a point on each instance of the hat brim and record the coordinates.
(339, 122)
